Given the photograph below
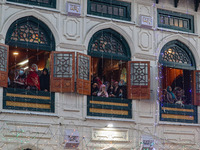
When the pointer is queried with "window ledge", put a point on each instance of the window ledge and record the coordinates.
(71, 109)
(109, 119)
(111, 19)
(178, 124)
(176, 31)
(28, 113)
(32, 6)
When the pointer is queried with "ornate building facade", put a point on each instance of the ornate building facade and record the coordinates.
(147, 49)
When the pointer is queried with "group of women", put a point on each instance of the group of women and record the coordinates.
(32, 80)
(173, 96)
(113, 89)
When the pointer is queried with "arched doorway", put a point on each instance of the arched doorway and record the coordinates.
(30, 43)
(177, 82)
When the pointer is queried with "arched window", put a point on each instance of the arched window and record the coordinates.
(109, 44)
(177, 81)
(176, 54)
(30, 32)
(115, 78)
(29, 44)
(110, 53)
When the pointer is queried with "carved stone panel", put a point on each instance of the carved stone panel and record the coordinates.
(145, 40)
(182, 135)
(110, 135)
(72, 29)
(144, 10)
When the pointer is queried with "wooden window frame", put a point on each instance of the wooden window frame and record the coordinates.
(83, 86)
(138, 92)
(4, 74)
(62, 84)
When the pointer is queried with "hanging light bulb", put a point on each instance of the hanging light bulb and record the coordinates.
(15, 53)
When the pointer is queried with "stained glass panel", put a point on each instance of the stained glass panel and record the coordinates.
(63, 65)
(83, 67)
(139, 74)
(176, 54)
(3, 58)
(109, 44)
(29, 32)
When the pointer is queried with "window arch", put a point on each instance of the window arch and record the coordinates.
(30, 32)
(177, 83)
(109, 44)
(178, 55)
(29, 44)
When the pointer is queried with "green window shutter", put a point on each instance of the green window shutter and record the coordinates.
(175, 21)
(111, 9)
(42, 3)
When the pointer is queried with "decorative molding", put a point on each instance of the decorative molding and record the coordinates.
(37, 131)
(144, 10)
(145, 57)
(72, 29)
(147, 109)
(105, 134)
(74, 1)
(72, 47)
(145, 40)
(179, 136)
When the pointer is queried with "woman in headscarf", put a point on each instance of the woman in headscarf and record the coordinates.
(171, 97)
(44, 80)
(102, 92)
(33, 81)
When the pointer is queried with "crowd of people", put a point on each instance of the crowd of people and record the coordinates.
(175, 96)
(32, 80)
(108, 89)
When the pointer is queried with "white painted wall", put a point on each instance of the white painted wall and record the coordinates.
(44, 131)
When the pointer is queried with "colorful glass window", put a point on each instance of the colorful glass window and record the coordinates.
(176, 54)
(109, 44)
(111, 9)
(30, 32)
(176, 21)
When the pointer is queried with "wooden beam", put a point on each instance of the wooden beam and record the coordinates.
(157, 1)
(176, 3)
(196, 4)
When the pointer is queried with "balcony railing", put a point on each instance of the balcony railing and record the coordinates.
(109, 107)
(21, 99)
(178, 113)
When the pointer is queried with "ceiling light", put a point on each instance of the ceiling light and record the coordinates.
(15, 53)
(23, 62)
(26, 68)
